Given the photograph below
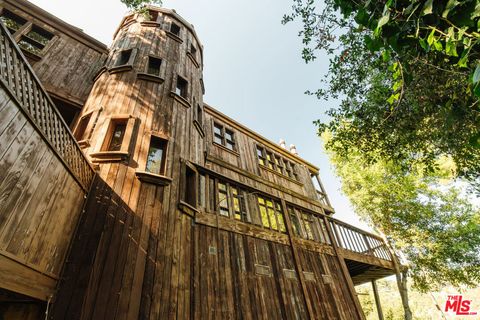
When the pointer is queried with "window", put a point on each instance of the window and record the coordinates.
(297, 229)
(116, 134)
(175, 29)
(271, 214)
(181, 88)
(223, 199)
(123, 57)
(239, 206)
(190, 195)
(153, 67)
(193, 50)
(156, 156)
(279, 165)
(12, 21)
(35, 40)
(82, 127)
(223, 136)
(270, 163)
(229, 142)
(199, 115)
(152, 15)
(261, 156)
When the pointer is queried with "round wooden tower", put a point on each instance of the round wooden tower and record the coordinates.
(142, 126)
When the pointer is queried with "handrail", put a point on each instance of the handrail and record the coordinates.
(19, 77)
(357, 240)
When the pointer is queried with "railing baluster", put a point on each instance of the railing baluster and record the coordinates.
(34, 100)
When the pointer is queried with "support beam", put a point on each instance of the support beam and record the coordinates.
(377, 300)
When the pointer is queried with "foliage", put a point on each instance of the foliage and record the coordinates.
(407, 74)
(139, 5)
(434, 225)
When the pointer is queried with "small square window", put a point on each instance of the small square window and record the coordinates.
(193, 50)
(116, 134)
(175, 29)
(182, 87)
(123, 57)
(156, 156)
(152, 15)
(154, 66)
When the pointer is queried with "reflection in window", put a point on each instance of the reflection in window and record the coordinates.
(223, 199)
(181, 88)
(271, 214)
(156, 156)
(117, 134)
(12, 21)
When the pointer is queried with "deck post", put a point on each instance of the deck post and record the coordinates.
(377, 300)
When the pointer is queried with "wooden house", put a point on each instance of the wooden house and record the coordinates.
(123, 195)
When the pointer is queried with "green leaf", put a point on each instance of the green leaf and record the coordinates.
(424, 44)
(438, 46)
(393, 98)
(476, 12)
(383, 20)
(476, 74)
(428, 7)
(431, 38)
(450, 5)
(362, 17)
(451, 48)
(462, 63)
(397, 85)
(386, 55)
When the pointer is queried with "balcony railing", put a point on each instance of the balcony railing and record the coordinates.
(354, 239)
(18, 77)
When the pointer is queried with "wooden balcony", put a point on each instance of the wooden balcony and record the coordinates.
(366, 255)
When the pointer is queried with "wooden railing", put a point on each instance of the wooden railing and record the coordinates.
(354, 239)
(18, 77)
(322, 197)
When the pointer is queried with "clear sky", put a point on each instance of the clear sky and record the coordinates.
(253, 69)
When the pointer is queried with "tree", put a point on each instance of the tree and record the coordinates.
(407, 74)
(434, 225)
(137, 5)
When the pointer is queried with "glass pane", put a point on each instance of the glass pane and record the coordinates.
(222, 186)
(273, 220)
(264, 216)
(117, 137)
(40, 35)
(30, 45)
(155, 159)
(154, 66)
(229, 145)
(217, 139)
(217, 130)
(229, 135)
(281, 223)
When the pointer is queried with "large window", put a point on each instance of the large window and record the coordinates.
(272, 161)
(271, 214)
(308, 225)
(156, 156)
(223, 136)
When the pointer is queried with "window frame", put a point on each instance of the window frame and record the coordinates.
(24, 29)
(163, 160)
(222, 137)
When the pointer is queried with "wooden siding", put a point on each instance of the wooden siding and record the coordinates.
(71, 59)
(40, 204)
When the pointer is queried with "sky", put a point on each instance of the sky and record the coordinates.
(253, 71)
